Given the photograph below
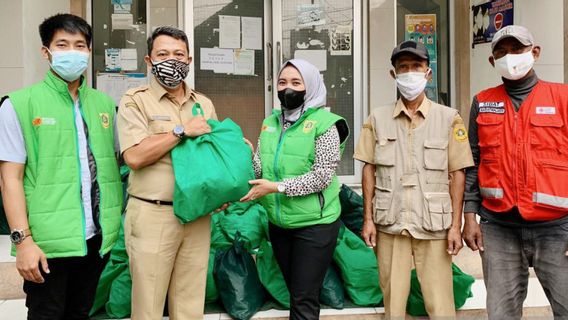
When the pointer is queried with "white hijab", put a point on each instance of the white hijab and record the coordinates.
(315, 88)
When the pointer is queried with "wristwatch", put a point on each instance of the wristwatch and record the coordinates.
(281, 187)
(17, 236)
(179, 131)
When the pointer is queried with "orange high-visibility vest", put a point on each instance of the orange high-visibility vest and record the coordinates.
(524, 154)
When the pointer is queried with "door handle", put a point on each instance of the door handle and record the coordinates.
(279, 53)
(270, 62)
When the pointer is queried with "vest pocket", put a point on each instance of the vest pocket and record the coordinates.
(489, 130)
(551, 191)
(489, 177)
(439, 215)
(436, 154)
(546, 132)
(383, 214)
(385, 152)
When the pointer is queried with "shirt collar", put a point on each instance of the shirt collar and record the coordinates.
(159, 91)
(423, 109)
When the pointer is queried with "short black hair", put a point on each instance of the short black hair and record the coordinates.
(67, 22)
(167, 31)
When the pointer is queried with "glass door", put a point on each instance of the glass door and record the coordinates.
(238, 47)
(231, 65)
(322, 32)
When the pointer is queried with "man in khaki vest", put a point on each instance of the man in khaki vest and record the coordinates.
(165, 255)
(415, 152)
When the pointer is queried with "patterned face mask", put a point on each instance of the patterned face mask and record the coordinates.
(170, 73)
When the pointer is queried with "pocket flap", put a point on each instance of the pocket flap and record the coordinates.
(435, 144)
(439, 203)
(489, 119)
(543, 120)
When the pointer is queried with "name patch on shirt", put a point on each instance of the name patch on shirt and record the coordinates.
(545, 110)
(268, 129)
(492, 107)
(161, 118)
(43, 121)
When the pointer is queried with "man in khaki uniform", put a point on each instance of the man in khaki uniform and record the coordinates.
(165, 256)
(415, 152)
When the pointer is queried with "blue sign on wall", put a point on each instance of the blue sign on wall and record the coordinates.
(489, 17)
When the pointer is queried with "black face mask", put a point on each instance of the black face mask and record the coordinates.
(291, 99)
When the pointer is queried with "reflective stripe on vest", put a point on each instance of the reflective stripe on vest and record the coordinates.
(543, 198)
(491, 193)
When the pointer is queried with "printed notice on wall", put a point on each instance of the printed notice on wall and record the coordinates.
(217, 60)
(229, 31)
(121, 21)
(310, 15)
(116, 84)
(340, 41)
(244, 62)
(252, 33)
(316, 57)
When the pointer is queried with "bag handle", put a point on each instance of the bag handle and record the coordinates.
(197, 110)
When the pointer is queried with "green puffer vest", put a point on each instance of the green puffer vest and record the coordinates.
(52, 181)
(290, 154)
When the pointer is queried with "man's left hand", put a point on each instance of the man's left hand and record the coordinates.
(260, 188)
(223, 207)
(454, 241)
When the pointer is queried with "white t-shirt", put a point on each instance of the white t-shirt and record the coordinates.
(13, 149)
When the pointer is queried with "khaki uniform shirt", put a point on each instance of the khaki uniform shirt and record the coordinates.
(151, 110)
(412, 191)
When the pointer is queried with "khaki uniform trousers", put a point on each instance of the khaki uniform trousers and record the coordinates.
(433, 268)
(166, 257)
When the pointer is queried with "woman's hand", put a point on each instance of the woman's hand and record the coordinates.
(260, 188)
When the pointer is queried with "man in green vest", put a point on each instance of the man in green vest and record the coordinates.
(60, 180)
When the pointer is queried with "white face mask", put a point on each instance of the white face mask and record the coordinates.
(515, 66)
(411, 84)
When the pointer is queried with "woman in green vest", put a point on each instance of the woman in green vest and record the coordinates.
(299, 148)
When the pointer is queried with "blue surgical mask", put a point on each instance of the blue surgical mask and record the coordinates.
(69, 64)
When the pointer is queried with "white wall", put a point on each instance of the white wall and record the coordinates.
(382, 39)
(34, 14)
(21, 63)
(544, 19)
(11, 60)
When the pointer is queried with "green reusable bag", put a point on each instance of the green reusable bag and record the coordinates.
(462, 291)
(358, 267)
(210, 170)
(114, 283)
(351, 209)
(237, 281)
(332, 293)
(247, 218)
(119, 301)
(211, 293)
(270, 274)
(218, 237)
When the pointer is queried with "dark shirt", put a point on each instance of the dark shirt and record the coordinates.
(517, 91)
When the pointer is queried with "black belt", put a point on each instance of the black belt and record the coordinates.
(158, 202)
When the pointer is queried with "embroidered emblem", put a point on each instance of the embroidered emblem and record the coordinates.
(309, 125)
(460, 134)
(268, 129)
(105, 120)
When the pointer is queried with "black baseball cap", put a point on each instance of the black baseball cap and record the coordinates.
(412, 47)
